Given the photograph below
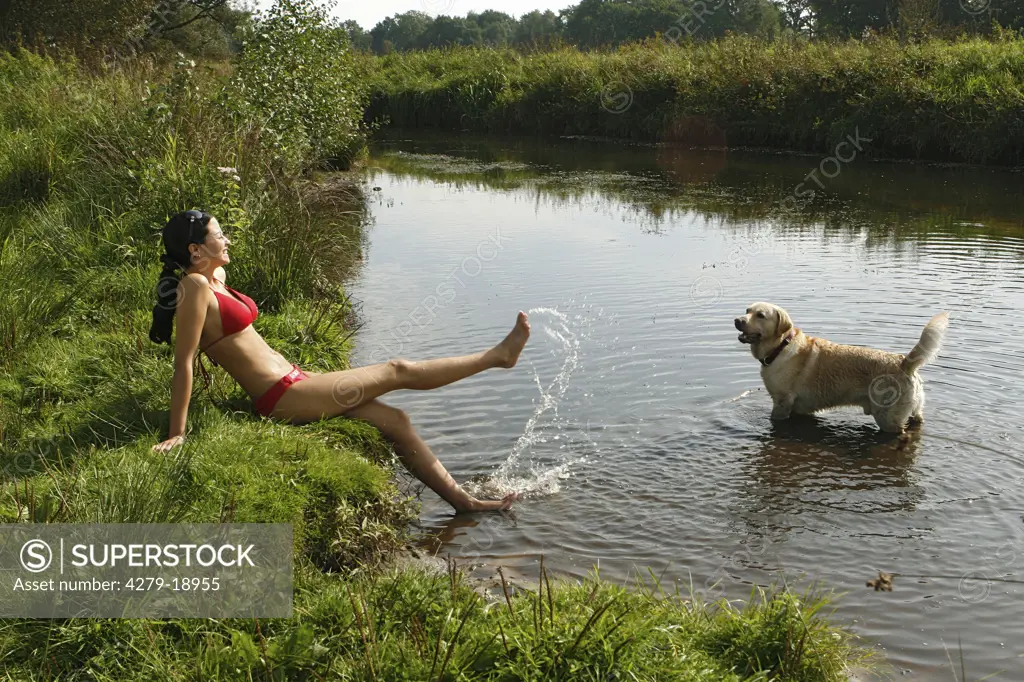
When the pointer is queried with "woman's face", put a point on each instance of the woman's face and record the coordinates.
(214, 250)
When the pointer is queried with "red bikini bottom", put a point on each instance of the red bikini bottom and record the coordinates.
(265, 403)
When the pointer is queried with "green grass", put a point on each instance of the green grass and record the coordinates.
(90, 167)
(84, 394)
(935, 100)
(417, 625)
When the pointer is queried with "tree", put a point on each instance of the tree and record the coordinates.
(497, 28)
(88, 26)
(360, 39)
(213, 34)
(1008, 12)
(400, 32)
(445, 30)
(756, 17)
(172, 15)
(538, 29)
(121, 29)
(594, 23)
(978, 15)
(797, 15)
(846, 18)
(917, 18)
(608, 22)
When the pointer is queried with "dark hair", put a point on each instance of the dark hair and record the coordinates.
(188, 227)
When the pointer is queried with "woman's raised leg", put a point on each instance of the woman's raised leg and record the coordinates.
(394, 424)
(329, 395)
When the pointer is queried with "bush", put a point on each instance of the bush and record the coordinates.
(297, 76)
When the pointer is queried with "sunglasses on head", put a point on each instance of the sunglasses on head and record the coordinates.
(194, 216)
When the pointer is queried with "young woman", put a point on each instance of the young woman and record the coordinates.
(217, 320)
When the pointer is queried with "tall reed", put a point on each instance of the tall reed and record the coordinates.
(935, 100)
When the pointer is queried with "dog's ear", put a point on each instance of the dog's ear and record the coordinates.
(785, 324)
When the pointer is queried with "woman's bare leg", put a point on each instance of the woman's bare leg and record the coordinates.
(415, 454)
(329, 395)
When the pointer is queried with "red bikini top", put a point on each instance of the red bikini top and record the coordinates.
(236, 312)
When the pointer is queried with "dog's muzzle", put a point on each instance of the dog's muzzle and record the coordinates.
(744, 337)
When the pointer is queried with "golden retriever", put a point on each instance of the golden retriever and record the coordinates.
(805, 374)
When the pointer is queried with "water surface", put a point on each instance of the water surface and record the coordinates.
(639, 424)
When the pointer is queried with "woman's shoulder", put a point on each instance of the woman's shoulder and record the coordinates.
(194, 282)
(195, 279)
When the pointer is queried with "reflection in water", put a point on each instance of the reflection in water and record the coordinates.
(890, 201)
(691, 167)
(807, 465)
(455, 530)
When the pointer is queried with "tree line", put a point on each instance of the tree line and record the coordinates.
(111, 29)
(591, 23)
(210, 28)
(598, 23)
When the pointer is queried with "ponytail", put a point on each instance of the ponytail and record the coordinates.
(181, 230)
(166, 301)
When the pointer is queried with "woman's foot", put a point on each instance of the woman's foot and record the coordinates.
(508, 350)
(503, 504)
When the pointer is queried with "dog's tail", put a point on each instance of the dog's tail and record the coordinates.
(928, 347)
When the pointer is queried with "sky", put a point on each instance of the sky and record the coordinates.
(369, 12)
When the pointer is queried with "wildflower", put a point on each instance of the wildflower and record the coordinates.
(233, 172)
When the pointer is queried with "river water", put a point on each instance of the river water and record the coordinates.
(637, 424)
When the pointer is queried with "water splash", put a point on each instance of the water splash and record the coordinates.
(544, 480)
(538, 483)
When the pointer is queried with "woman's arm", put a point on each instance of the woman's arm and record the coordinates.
(194, 293)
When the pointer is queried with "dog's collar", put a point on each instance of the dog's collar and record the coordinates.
(775, 353)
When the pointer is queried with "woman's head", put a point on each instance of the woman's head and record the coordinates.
(193, 242)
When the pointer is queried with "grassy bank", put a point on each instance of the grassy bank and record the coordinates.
(90, 167)
(99, 162)
(936, 100)
(416, 625)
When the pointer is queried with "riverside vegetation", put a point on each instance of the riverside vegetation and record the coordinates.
(935, 100)
(91, 164)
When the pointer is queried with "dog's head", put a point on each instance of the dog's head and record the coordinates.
(763, 323)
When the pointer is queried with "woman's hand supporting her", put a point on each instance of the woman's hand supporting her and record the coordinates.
(193, 302)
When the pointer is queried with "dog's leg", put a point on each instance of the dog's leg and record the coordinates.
(783, 407)
(917, 416)
(890, 423)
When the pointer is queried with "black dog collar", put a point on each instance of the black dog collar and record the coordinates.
(775, 353)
